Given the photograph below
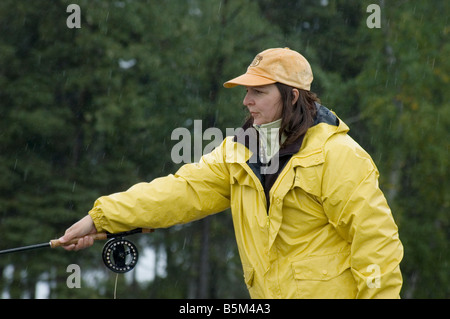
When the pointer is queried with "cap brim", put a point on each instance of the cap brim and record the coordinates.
(248, 80)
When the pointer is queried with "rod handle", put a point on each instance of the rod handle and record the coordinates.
(56, 243)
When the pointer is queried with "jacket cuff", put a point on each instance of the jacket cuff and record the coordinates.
(97, 217)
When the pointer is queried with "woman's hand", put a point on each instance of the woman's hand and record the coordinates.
(80, 229)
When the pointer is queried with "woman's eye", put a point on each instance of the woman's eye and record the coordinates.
(253, 91)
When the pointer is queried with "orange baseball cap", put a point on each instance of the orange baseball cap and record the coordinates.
(281, 65)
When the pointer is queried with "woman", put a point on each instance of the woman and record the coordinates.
(310, 220)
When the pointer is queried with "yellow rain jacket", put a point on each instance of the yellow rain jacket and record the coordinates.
(328, 232)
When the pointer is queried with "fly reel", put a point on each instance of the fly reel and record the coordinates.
(120, 255)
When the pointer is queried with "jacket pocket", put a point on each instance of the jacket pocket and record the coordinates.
(325, 277)
(309, 179)
(321, 268)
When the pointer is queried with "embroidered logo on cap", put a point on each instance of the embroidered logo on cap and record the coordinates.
(256, 60)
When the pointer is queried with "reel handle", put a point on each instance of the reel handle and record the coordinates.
(56, 243)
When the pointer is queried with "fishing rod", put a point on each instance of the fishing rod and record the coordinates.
(119, 255)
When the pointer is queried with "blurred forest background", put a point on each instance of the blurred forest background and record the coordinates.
(89, 111)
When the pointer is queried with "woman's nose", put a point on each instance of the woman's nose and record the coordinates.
(247, 100)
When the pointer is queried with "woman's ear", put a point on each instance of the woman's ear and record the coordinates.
(295, 93)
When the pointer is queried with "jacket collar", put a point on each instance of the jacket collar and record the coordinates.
(325, 125)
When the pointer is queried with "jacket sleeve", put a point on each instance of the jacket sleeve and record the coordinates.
(358, 210)
(193, 192)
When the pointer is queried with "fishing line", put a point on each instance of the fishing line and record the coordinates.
(115, 286)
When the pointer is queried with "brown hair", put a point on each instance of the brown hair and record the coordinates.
(296, 118)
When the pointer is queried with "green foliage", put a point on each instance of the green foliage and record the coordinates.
(90, 111)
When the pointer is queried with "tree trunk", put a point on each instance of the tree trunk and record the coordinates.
(204, 260)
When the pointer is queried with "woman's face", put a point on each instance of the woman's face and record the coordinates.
(263, 103)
